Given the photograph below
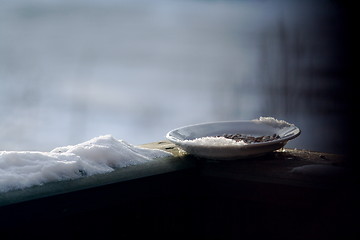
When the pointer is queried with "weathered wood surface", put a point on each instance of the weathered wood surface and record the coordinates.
(281, 166)
(286, 177)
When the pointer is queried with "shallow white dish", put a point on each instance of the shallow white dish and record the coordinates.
(264, 126)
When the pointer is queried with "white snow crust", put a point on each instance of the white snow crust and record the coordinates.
(273, 122)
(22, 169)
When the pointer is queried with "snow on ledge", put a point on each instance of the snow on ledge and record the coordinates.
(22, 169)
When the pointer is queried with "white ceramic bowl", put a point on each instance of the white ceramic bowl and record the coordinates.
(265, 126)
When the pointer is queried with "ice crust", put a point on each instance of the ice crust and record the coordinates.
(21, 169)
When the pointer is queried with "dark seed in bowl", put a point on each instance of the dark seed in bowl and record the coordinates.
(250, 139)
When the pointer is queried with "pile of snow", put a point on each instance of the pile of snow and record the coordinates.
(21, 169)
(273, 122)
(215, 141)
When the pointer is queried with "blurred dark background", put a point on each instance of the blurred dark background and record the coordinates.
(73, 70)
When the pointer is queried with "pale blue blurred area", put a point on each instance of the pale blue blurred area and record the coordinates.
(73, 70)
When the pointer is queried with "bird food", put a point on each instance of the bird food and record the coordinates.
(249, 139)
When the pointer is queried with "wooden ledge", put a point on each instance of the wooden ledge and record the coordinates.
(285, 166)
(276, 168)
(187, 197)
(152, 168)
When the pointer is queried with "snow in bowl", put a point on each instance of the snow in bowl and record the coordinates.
(230, 140)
